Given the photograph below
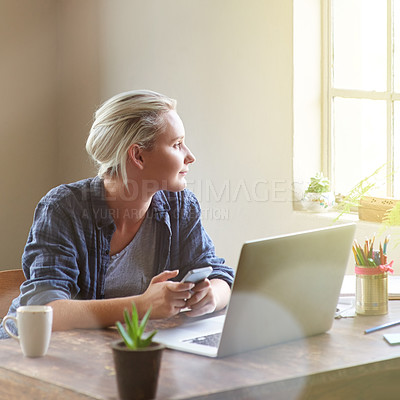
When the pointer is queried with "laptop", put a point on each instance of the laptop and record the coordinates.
(286, 287)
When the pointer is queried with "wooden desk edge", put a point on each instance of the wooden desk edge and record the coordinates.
(15, 385)
(373, 380)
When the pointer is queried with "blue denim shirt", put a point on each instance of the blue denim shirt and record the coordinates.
(68, 247)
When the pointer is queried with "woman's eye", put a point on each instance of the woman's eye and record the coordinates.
(178, 145)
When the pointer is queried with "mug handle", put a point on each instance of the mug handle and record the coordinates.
(8, 318)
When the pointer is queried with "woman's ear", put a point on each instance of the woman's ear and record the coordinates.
(135, 155)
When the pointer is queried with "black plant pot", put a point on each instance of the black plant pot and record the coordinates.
(137, 370)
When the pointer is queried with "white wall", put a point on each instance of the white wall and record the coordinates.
(229, 64)
(77, 85)
(27, 117)
(307, 109)
(49, 90)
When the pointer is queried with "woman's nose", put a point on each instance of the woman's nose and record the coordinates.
(190, 158)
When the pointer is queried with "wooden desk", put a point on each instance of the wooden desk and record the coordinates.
(341, 364)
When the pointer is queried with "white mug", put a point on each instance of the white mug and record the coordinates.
(34, 324)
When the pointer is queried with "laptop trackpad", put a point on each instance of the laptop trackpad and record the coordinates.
(192, 333)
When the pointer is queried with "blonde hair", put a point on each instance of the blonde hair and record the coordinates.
(135, 117)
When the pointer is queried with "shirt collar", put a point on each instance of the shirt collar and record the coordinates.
(159, 204)
(101, 212)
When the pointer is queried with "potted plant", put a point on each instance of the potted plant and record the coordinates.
(371, 208)
(318, 197)
(137, 358)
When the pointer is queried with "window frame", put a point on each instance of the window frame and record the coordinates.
(329, 93)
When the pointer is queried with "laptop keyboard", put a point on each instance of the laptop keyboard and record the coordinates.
(211, 340)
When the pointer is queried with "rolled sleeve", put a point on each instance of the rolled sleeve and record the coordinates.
(50, 258)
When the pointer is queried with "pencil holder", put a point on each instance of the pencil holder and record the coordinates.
(371, 290)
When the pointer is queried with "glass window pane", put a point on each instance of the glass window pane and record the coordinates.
(359, 44)
(396, 29)
(396, 141)
(360, 142)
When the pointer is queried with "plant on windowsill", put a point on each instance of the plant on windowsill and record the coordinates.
(371, 208)
(137, 358)
(318, 197)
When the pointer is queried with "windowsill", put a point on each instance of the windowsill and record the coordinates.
(334, 217)
(368, 228)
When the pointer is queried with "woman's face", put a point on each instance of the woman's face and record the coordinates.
(166, 165)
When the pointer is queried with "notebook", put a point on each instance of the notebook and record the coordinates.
(286, 287)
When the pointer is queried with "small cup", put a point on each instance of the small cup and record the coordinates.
(34, 324)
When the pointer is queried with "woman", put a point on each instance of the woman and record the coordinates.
(128, 235)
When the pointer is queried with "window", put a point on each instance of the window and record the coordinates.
(363, 92)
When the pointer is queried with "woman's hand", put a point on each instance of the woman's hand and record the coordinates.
(208, 296)
(165, 297)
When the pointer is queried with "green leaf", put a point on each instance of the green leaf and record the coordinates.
(357, 192)
(127, 339)
(146, 342)
(135, 318)
(392, 216)
(129, 325)
(319, 184)
(144, 322)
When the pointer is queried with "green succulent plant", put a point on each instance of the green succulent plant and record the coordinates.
(133, 333)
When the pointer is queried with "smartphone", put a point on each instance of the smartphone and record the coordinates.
(196, 275)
